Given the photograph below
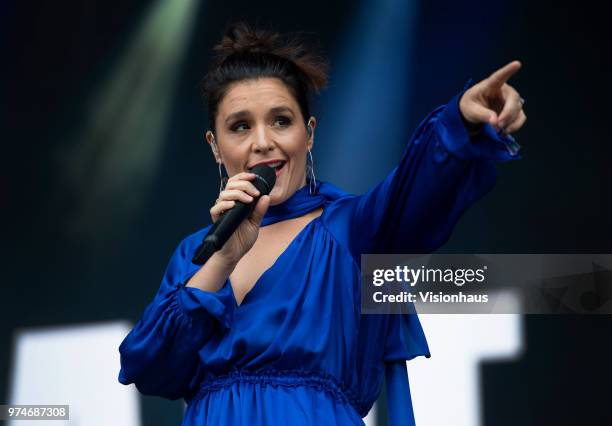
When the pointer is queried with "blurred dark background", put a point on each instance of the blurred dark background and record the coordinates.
(105, 170)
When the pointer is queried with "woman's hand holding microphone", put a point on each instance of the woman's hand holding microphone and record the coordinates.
(213, 274)
(239, 188)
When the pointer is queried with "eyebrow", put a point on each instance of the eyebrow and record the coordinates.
(236, 115)
(244, 113)
(281, 109)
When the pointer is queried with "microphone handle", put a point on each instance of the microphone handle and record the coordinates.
(222, 230)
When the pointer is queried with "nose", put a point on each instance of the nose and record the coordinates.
(262, 142)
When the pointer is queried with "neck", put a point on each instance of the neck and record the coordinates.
(298, 204)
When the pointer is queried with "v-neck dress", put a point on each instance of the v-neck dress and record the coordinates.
(297, 349)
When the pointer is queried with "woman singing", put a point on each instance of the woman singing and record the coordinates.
(268, 331)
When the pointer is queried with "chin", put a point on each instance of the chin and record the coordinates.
(277, 196)
(282, 191)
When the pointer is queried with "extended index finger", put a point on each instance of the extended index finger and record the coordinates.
(499, 77)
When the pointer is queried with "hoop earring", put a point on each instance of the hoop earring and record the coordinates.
(312, 182)
(222, 179)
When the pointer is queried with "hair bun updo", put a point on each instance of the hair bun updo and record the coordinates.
(246, 53)
(239, 38)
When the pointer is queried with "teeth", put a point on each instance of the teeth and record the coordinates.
(275, 164)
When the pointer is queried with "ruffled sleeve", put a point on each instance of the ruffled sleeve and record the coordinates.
(413, 210)
(160, 354)
(405, 338)
(441, 173)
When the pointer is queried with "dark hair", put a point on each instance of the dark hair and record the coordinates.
(245, 53)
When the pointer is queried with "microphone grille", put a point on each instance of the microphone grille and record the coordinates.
(265, 180)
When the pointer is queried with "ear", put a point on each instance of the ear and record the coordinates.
(210, 138)
(312, 123)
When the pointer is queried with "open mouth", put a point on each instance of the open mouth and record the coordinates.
(277, 166)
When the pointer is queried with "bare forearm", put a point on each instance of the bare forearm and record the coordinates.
(212, 275)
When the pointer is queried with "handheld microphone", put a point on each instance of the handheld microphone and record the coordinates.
(229, 221)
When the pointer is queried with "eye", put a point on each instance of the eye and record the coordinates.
(239, 126)
(282, 121)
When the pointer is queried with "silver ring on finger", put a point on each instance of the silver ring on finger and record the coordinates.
(522, 101)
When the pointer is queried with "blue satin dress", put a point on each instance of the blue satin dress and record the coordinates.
(296, 350)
